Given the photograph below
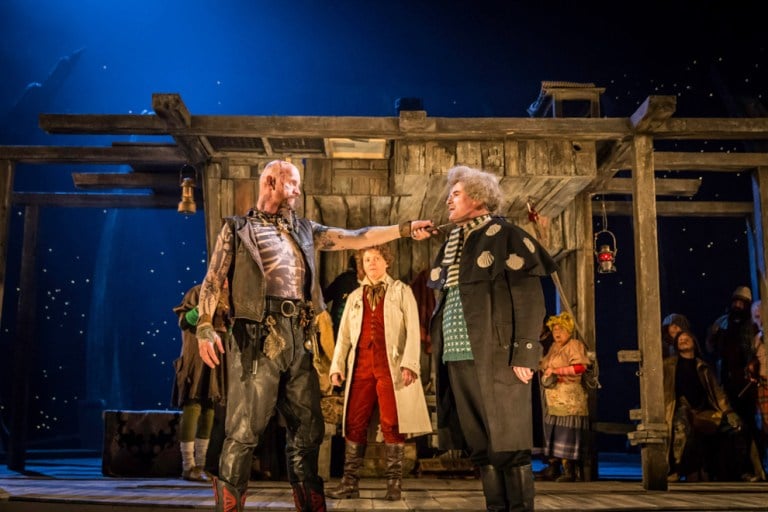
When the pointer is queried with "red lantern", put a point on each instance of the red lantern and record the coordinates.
(606, 257)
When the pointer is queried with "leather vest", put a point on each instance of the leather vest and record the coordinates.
(248, 289)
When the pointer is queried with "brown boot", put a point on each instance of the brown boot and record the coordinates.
(353, 460)
(569, 471)
(394, 472)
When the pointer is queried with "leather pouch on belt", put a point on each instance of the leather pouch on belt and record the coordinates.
(273, 343)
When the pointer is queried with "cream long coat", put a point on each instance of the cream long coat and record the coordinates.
(403, 341)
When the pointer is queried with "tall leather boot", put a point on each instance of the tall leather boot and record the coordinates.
(394, 472)
(493, 488)
(309, 496)
(353, 460)
(569, 471)
(227, 498)
(518, 482)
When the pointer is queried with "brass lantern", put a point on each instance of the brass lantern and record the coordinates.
(188, 183)
(605, 253)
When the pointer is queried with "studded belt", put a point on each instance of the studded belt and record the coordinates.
(289, 308)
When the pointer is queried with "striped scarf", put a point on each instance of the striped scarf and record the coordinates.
(454, 247)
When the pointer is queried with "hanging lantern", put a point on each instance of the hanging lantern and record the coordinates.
(606, 253)
(187, 204)
(606, 257)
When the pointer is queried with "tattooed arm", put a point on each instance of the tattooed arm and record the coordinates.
(211, 289)
(338, 239)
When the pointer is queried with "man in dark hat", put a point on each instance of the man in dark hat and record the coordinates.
(731, 346)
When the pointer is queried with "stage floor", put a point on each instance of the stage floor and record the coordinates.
(76, 484)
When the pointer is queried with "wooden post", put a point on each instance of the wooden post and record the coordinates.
(760, 199)
(585, 312)
(24, 350)
(6, 188)
(651, 433)
(212, 203)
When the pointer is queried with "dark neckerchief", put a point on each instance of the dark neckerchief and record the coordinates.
(283, 220)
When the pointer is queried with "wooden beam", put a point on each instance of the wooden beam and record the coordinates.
(654, 111)
(685, 208)
(95, 200)
(612, 156)
(168, 155)
(173, 111)
(320, 126)
(679, 161)
(129, 180)
(664, 186)
(115, 124)
(438, 128)
(389, 128)
(702, 128)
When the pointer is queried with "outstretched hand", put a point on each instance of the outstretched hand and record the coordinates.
(422, 229)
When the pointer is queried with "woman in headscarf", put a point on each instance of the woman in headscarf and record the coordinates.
(566, 417)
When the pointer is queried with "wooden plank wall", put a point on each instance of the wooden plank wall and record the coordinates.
(354, 193)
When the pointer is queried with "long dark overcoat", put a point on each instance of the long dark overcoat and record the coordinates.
(500, 285)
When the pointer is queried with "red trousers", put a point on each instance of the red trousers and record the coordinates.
(371, 384)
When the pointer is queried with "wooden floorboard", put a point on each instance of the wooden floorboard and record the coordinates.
(77, 485)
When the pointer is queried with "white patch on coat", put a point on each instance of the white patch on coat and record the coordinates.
(529, 244)
(434, 274)
(492, 230)
(485, 259)
(515, 262)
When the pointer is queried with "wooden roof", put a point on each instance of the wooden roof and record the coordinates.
(197, 139)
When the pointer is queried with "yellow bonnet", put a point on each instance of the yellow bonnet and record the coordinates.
(564, 320)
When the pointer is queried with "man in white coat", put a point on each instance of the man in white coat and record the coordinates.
(378, 356)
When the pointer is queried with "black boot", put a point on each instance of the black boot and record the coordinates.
(227, 498)
(518, 482)
(394, 472)
(309, 496)
(493, 488)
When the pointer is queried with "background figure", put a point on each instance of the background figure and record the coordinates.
(378, 355)
(485, 337)
(197, 388)
(336, 293)
(731, 343)
(698, 415)
(275, 294)
(758, 373)
(670, 326)
(566, 421)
